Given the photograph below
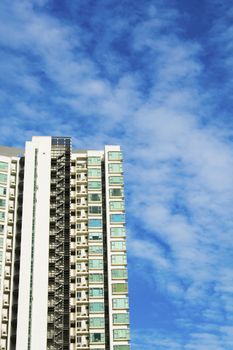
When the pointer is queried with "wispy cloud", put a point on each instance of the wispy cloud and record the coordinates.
(126, 72)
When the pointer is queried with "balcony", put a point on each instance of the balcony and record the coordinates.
(82, 258)
(81, 286)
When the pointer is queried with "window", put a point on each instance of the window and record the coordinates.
(121, 334)
(79, 339)
(118, 245)
(95, 249)
(117, 232)
(95, 264)
(95, 223)
(95, 236)
(93, 185)
(96, 322)
(96, 278)
(3, 178)
(116, 180)
(94, 160)
(120, 303)
(96, 292)
(78, 267)
(117, 218)
(119, 273)
(117, 205)
(95, 209)
(114, 155)
(2, 202)
(2, 215)
(119, 259)
(92, 172)
(1, 228)
(115, 168)
(116, 192)
(3, 166)
(121, 347)
(97, 337)
(94, 197)
(120, 288)
(2, 191)
(121, 318)
(96, 307)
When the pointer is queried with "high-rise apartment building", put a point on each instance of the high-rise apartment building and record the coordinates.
(63, 266)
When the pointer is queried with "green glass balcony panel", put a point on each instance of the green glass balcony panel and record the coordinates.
(1, 242)
(3, 178)
(94, 185)
(115, 168)
(119, 273)
(121, 318)
(94, 197)
(2, 191)
(121, 347)
(96, 292)
(97, 337)
(119, 259)
(93, 223)
(114, 155)
(3, 166)
(96, 322)
(116, 192)
(117, 205)
(117, 218)
(94, 172)
(118, 245)
(119, 288)
(94, 161)
(120, 303)
(95, 249)
(95, 209)
(2, 215)
(117, 231)
(2, 202)
(95, 236)
(121, 334)
(95, 264)
(116, 180)
(97, 307)
(96, 278)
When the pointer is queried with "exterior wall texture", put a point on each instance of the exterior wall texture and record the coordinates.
(63, 264)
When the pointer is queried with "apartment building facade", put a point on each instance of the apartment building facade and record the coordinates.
(63, 248)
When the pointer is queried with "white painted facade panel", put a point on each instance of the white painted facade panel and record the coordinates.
(39, 266)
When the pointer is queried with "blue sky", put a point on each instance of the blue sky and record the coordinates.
(155, 77)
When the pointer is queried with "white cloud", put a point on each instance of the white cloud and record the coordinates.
(179, 170)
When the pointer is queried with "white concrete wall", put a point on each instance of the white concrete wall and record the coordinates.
(41, 247)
